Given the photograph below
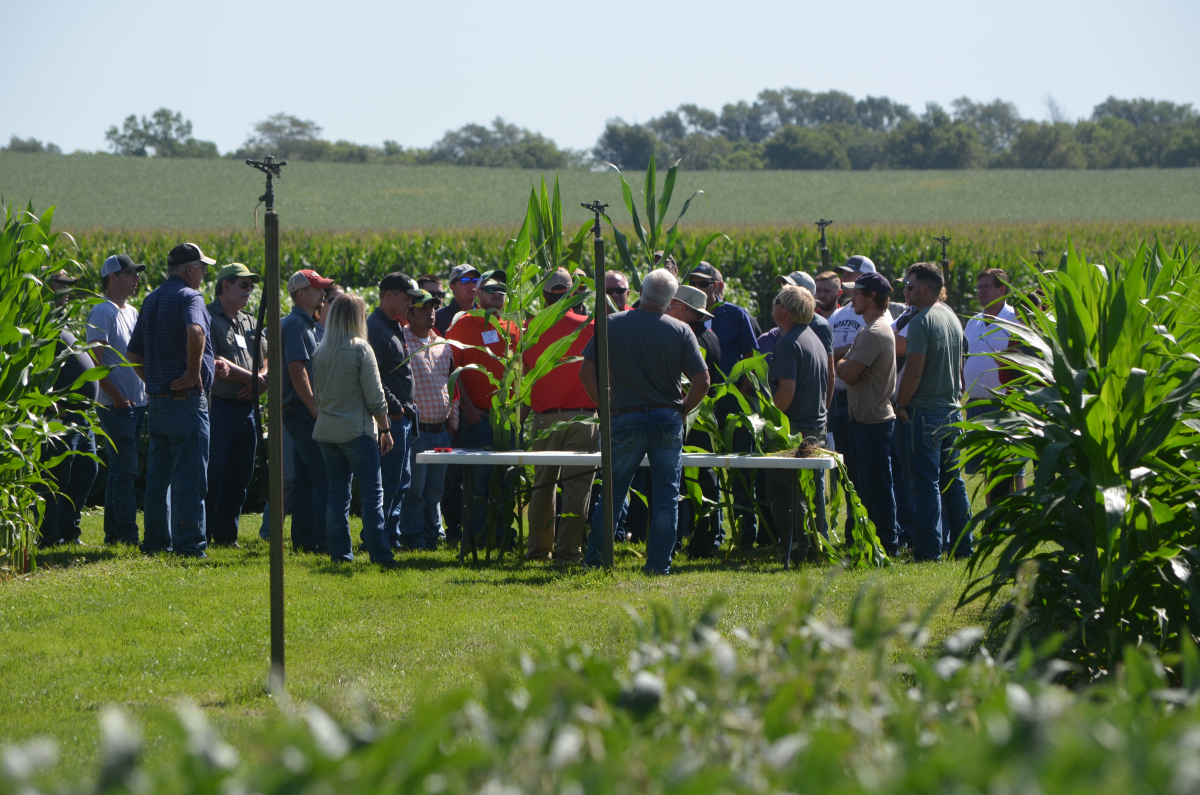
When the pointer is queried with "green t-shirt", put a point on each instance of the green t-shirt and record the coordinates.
(936, 333)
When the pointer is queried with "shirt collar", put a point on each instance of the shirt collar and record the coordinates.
(296, 310)
(392, 324)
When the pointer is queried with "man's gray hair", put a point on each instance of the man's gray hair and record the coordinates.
(658, 288)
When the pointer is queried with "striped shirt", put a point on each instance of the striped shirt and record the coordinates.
(431, 364)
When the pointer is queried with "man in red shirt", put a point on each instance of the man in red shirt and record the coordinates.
(559, 396)
(469, 336)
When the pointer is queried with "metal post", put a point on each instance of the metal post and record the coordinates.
(271, 289)
(824, 247)
(601, 338)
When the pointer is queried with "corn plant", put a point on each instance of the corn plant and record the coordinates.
(1106, 407)
(656, 214)
(30, 326)
(770, 430)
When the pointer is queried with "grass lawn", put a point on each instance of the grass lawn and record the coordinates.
(99, 626)
(107, 191)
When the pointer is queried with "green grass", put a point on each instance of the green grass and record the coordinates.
(105, 191)
(98, 626)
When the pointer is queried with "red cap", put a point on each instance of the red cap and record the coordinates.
(307, 278)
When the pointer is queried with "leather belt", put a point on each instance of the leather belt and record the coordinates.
(178, 394)
(432, 427)
(632, 409)
(579, 410)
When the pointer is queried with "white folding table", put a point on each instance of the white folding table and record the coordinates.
(473, 458)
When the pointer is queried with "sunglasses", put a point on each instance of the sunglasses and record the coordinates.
(246, 284)
(616, 290)
(495, 289)
(700, 284)
(469, 280)
(912, 285)
(437, 293)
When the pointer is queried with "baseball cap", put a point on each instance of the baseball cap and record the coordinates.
(560, 278)
(875, 282)
(798, 279)
(187, 252)
(858, 264)
(459, 271)
(706, 271)
(694, 298)
(117, 263)
(307, 278)
(494, 282)
(424, 298)
(62, 277)
(398, 281)
(237, 269)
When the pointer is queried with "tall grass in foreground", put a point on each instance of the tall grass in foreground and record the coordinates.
(1106, 407)
(804, 704)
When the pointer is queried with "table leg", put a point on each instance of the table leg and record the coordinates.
(468, 523)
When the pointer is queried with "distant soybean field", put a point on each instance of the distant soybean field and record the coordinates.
(108, 192)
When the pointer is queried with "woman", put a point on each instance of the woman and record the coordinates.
(349, 394)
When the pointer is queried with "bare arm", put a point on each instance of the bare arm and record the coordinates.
(118, 398)
(587, 377)
(137, 361)
(784, 393)
(840, 352)
(850, 371)
(699, 388)
(303, 386)
(901, 345)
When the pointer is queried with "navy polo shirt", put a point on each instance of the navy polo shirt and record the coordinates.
(735, 333)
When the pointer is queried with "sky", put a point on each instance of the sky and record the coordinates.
(404, 71)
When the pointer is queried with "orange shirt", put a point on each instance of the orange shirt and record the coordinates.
(478, 331)
(560, 388)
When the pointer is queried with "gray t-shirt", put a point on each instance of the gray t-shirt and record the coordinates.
(936, 332)
(647, 352)
(113, 326)
(801, 357)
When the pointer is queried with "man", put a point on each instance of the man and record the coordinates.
(556, 397)
(464, 286)
(232, 435)
(299, 335)
(829, 290)
(707, 534)
(431, 364)
(647, 352)
(735, 334)
(799, 379)
(928, 405)
(981, 373)
(767, 343)
(172, 346)
(386, 336)
(432, 284)
(332, 293)
(869, 369)
(121, 404)
(668, 263)
(75, 474)
(473, 334)
(616, 287)
(846, 324)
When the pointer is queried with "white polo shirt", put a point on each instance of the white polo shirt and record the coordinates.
(981, 374)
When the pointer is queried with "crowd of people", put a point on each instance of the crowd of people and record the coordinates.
(883, 383)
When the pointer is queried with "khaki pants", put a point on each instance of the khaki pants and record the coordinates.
(576, 491)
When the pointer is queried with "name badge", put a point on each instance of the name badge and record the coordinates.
(241, 341)
(490, 337)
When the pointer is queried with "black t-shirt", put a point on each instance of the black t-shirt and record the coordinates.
(710, 346)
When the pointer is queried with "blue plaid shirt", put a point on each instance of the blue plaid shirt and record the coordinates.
(160, 336)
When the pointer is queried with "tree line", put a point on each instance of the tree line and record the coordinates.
(782, 129)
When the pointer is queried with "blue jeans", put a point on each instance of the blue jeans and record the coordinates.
(360, 458)
(906, 511)
(289, 474)
(478, 437)
(872, 446)
(178, 460)
(124, 429)
(396, 472)
(421, 515)
(310, 488)
(230, 467)
(839, 426)
(74, 476)
(657, 433)
(939, 493)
